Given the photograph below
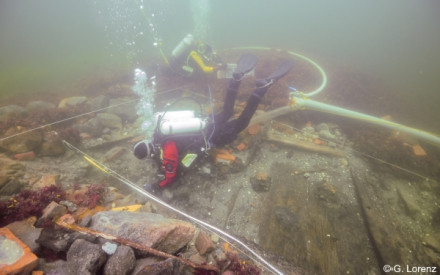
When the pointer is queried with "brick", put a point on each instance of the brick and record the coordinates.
(241, 146)
(25, 156)
(225, 158)
(24, 262)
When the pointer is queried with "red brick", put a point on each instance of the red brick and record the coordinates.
(25, 264)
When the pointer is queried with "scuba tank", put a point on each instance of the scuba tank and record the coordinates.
(179, 122)
(183, 46)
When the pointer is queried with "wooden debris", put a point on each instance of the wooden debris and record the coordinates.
(418, 150)
(63, 222)
(292, 141)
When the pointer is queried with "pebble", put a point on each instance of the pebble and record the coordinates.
(109, 248)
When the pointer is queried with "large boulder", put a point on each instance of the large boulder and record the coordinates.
(72, 101)
(85, 257)
(10, 173)
(109, 120)
(52, 145)
(21, 141)
(92, 127)
(26, 232)
(12, 111)
(122, 261)
(39, 105)
(124, 108)
(148, 229)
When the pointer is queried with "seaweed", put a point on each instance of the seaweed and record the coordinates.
(29, 203)
(241, 267)
(92, 196)
(70, 135)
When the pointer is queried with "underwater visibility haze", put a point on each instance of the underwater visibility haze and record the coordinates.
(367, 198)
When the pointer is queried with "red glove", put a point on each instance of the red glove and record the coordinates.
(170, 158)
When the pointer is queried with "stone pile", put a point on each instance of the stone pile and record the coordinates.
(26, 143)
(78, 253)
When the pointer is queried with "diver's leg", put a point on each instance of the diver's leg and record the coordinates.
(251, 106)
(228, 105)
(255, 98)
(244, 65)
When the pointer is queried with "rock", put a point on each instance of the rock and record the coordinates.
(71, 207)
(124, 111)
(92, 127)
(84, 257)
(122, 261)
(46, 180)
(12, 187)
(261, 182)
(215, 238)
(56, 267)
(15, 256)
(204, 244)
(26, 232)
(51, 212)
(99, 102)
(326, 135)
(109, 248)
(221, 259)
(109, 120)
(21, 141)
(39, 105)
(72, 101)
(60, 240)
(144, 262)
(322, 127)
(119, 90)
(197, 258)
(52, 145)
(56, 240)
(12, 111)
(10, 173)
(148, 229)
(85, 221)
(8, 169)
(168, 266)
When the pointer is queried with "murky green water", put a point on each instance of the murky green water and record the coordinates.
(50, 41)
(58, 46)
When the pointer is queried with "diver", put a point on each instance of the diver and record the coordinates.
(193, 57)
(182, 132)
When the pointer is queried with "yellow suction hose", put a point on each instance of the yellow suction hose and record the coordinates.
(300, 101)
(316, 65)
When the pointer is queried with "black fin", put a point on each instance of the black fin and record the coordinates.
(245, 64)
(282, 70)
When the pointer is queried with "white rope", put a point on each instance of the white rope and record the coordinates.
(157, 200)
